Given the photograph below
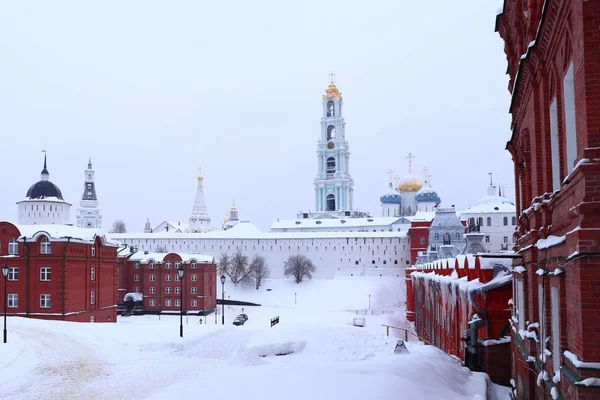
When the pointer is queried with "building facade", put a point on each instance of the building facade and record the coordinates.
(150, 283)
(58, 272)
(43, 203)
(553, 53)
(88, 214)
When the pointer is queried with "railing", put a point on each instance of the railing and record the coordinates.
(372, 312)
(406, 333)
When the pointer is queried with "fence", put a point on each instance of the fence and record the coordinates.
(373, 312)
(407, 332)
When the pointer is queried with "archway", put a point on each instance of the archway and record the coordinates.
(330, 202)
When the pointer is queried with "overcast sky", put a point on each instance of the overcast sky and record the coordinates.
(151, 90)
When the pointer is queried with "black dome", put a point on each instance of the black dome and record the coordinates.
(42, 190)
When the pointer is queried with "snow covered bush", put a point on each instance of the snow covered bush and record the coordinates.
(299, 266)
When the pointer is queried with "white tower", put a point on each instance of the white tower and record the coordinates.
(147, 226)
(88, 214)
(199, 219)
(334, 187)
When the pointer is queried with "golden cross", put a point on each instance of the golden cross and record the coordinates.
(410, 158)
(390, 173)
(331, 77)
(427, 175)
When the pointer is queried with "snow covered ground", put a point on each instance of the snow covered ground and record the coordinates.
(144, 357)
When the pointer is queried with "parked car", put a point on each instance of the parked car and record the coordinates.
(243, 316)
(238, 321)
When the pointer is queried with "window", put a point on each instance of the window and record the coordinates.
(422, 240)
(152, 303)
(168, 277)
(570, 133)
(168, 265)
(45, 246)
(437, 236)
(471, 221)
(93, 251)
(168, 303)
(13, 274)
(487, 239)
(152, 264)
(194, 264)
(554, 150)
(330, 165)
(92, 297)
(194, 277)
(13, 247)
(177, 303)
(505, 221)
(194, 303)
(178, 290)
(136, 289)
(167, 290)
(330, 109)
(480, 221)
(555, 300)
(89, 195)
(489, 221)
(152, 277)
(136, 265)
(152, 290)
(177, 278)
(177, 265)
(520, 303)
(93, 274)
(13, 300)
(45, 274)
(330, 203)
(136, 277)
(514, 221)
(330, 132)
(505, 239)
(89, 186)
(457, 235)
(45, 301)
(194, 290)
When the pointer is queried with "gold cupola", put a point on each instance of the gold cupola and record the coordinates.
(332, 92)
(410, 183)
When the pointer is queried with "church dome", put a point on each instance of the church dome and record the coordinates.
(391, 196)
(427, 194)
(410, 183)
(43, 190)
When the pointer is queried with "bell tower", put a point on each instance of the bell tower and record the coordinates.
(88, 214)
(334, 187)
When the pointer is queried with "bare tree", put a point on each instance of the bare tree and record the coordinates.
(235, 267)
(119, 227)
(162, 249)
(299, 266)
(259, 270)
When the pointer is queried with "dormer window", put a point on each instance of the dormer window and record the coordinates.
(45, 246)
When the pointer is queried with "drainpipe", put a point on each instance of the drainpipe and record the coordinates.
(26, 275)
(64, 268)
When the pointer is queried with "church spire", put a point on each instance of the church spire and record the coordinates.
(45, 174)
(199, 219)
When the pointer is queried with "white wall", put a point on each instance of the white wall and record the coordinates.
(497, 231)
(43, 212)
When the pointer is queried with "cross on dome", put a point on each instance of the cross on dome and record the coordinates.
(410, 158)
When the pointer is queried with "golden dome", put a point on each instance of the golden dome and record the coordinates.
(332, 91)
(200, 177)
(226, 219)
(410, 183)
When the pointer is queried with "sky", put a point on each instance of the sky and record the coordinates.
(152, 90)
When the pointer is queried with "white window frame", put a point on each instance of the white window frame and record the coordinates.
(555, 300)
(93, 274)
(569, 109)
(136, 289)
(45, 301)
(177, 303)
(152, 303)
(194, 290)
(554, 145)
(152, 278)
(194, 264)
(136, 265)
(136, 277)
(152, 290)
(521, 303)
(13, 274)
(92, 319)
(92, 297)
(13, 300)
(177, 265)
(13, 247)
(168, 290)
(45, 274)
(151, 264)
(93, 251)
(168, 277)
(194, 303)
(194, 278)
(167, 303)
(45, 246)
(177, 289)
(168, 265)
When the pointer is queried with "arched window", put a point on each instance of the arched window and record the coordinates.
(480, 221)
(514, 221)
(330, 202)
(505, 221)
(489, 221)
(447, 239)
(471, 221)
(437, 236)
(330, 165)
(330, 109)
(45, 246)
(330, 132)
(89, 194)
(13, 247)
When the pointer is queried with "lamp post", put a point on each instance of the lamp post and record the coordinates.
(223, 299)
(181, 272)
(369, 301)
(5, 273)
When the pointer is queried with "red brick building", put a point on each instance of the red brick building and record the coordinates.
(58, 272)
(149, 283)
(553, 53)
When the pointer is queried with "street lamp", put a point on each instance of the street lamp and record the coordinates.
(223, 299)
(181, 272)
(5, 273)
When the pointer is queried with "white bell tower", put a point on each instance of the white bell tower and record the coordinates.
(88, 214)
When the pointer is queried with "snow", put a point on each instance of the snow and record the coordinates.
(573, 255)
(492, 342)
(554, 393)
(550, 241)
(144, 258)
(423, 216)
(144, 357)
(589, 382)
(519, 269)
(491, 204)
(540, 272)
(534, 325)
(135, 296)
(310, 223)
(499, 392)
(581, 364)
(528, 334)
(558, 271)
(556, 378)
(62, 232)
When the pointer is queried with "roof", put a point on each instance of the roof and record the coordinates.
(422, 216)
(43, 189)
(246, 230)
(333, 223)
(143, 257)
(63, 232)
(491, 204)
(391, 196)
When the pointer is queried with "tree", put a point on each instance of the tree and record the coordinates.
(235, 267)
(162, 249)
(259, 270)
(119, 227)
(299, 266)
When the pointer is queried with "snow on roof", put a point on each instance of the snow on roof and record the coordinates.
(491, 204)
(423, 216)
(144, 258)
(135, 296)
(246, 230)
(56, 231)
(45, 199)
(333, 222)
